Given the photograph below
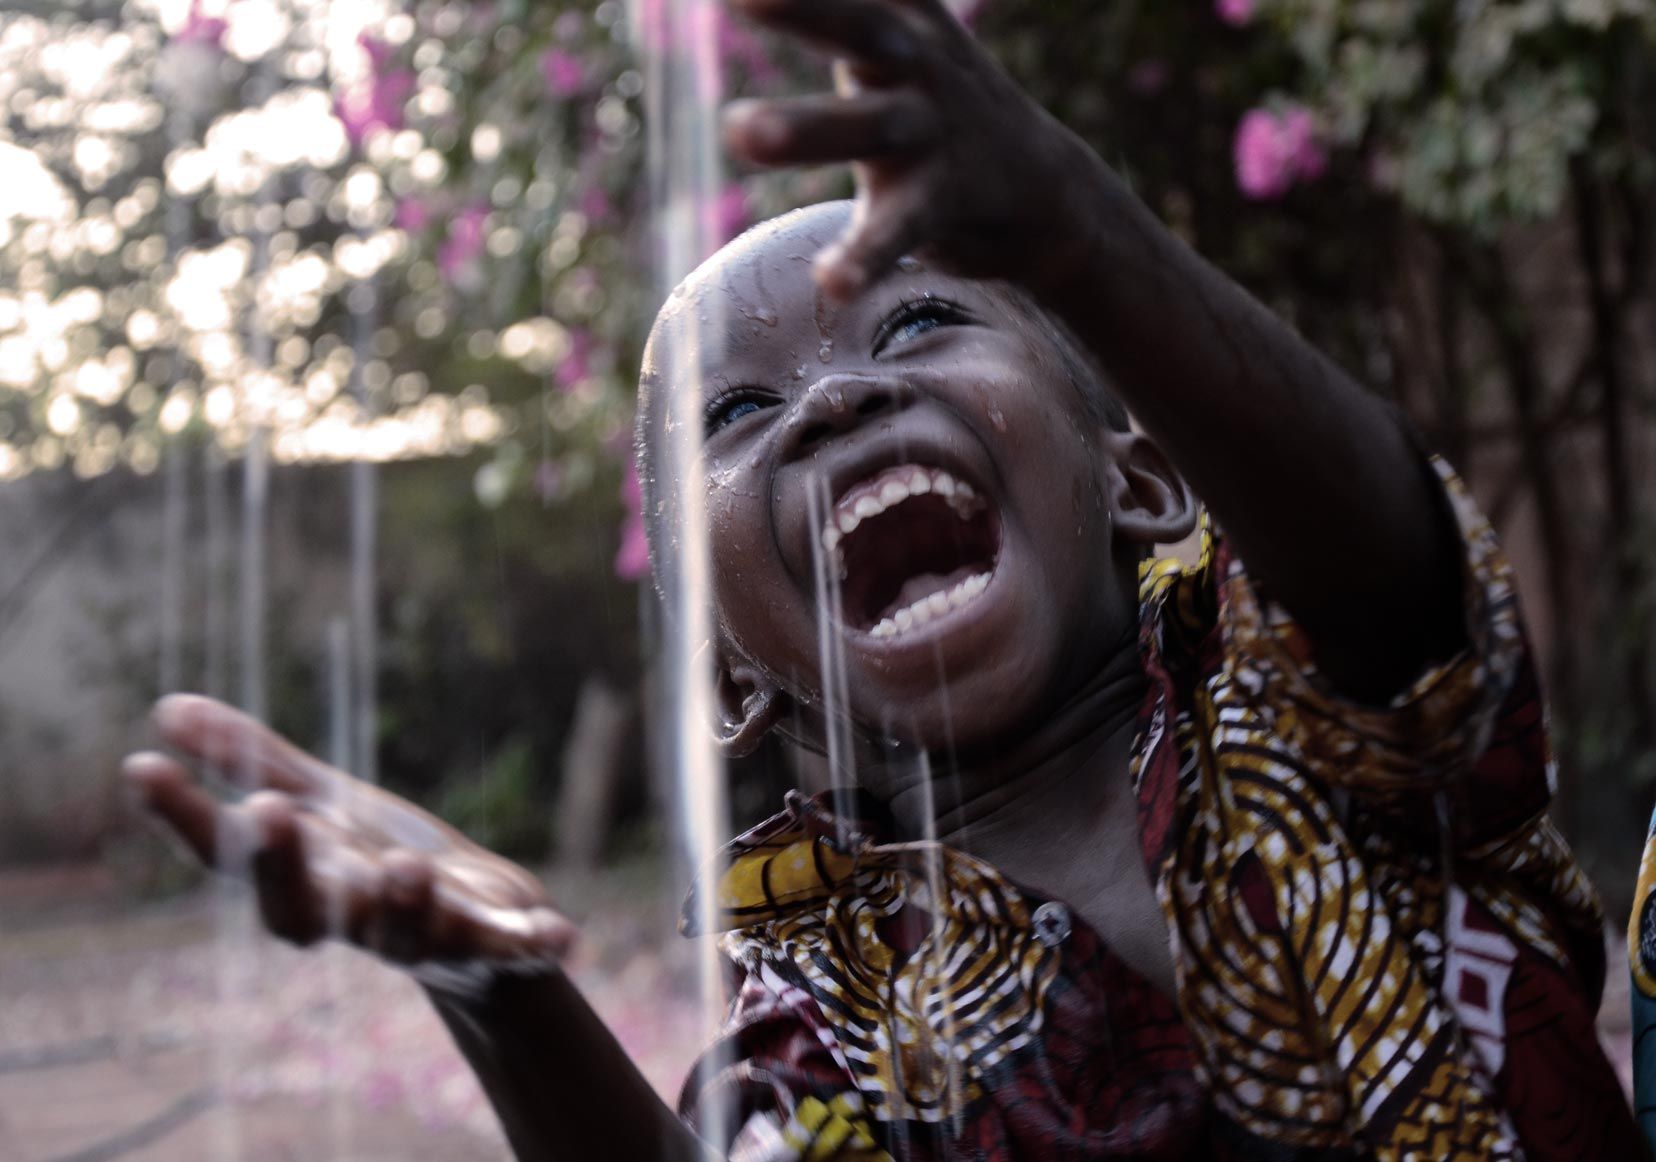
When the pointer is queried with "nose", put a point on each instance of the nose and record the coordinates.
(839, 403)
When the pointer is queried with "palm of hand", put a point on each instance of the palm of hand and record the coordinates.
(329, 855)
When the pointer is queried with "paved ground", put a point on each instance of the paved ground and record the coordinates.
(173, 1033)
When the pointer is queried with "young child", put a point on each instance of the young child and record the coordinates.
(1228, 862)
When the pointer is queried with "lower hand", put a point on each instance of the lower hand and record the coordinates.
(329, 855)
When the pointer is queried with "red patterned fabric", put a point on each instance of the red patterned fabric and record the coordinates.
(1383, 947)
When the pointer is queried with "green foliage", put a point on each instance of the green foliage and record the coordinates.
(499, 807)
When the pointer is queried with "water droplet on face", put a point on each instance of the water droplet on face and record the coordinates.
(799, 372)
(997, 418)
(826, 351)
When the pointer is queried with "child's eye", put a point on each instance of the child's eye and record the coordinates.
(726, 409)
(914, 318)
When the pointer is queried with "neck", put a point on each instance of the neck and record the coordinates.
(1054, 780)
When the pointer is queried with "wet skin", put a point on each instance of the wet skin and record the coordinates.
(920, 369)
(1027, 695)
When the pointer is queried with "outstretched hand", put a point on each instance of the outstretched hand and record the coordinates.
(952, 159)
(330, 855)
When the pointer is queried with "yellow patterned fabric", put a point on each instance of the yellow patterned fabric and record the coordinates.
(1357, 893)
(1383, 948)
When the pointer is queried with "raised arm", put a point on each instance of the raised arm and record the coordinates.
(333, 857)
(1317, 482)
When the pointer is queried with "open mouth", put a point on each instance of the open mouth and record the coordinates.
(913, 545)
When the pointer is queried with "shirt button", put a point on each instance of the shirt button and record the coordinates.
(1052, 923)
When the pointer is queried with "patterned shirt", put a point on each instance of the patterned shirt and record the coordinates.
(1382, 946)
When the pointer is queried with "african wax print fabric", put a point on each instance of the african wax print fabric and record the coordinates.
(1383, 948)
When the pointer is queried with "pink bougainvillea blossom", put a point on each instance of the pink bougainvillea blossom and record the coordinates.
(413, 215)
(1276, 150)
(376, 100)
(727, 214)
(1234, 12)
(464, 243)
(632, 559)
(563, 71)
(577, 364)
(595, 204)
(201, 29)
(739, 47)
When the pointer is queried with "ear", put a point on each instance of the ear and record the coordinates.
(1150, 503)
(749, 705)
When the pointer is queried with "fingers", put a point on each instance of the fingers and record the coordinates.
(827, 128)
(879, 35)
(166, 789)
(871, 245)
(421, 915)
(225, 739)
(288, 898)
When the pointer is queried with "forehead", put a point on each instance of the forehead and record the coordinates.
(756, 297)
(763, 276)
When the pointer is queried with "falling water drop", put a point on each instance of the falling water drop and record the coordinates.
(826, 351)
(682, 91)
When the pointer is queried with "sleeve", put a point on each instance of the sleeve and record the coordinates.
(1471, 727)
(773, 1086)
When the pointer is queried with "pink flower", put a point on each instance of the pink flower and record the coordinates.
(594, 203)
(727, 215)
(376, 102)
(199, 29)
(564, 72)
(1273, 151)
(576, 365)
(738, 46)
(464, 243)
(1234, 12)
(632, 559)
(412, 215)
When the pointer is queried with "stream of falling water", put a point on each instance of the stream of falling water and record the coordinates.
(681, 93)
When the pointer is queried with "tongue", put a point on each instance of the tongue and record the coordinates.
(925, 584)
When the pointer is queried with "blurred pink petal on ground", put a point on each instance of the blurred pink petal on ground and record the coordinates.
(1275, 150)
(563, 71)
(1234, 12)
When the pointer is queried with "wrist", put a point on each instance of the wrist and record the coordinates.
(478, 987)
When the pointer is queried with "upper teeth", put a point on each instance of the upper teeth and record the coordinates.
(889, 489)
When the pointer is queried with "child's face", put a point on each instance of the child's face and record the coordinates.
(959, 618)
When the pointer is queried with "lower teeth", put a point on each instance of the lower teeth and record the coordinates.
(931, 606)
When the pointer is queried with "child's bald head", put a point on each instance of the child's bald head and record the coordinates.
(928, 474)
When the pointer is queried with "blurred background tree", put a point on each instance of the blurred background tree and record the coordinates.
(417, 235)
